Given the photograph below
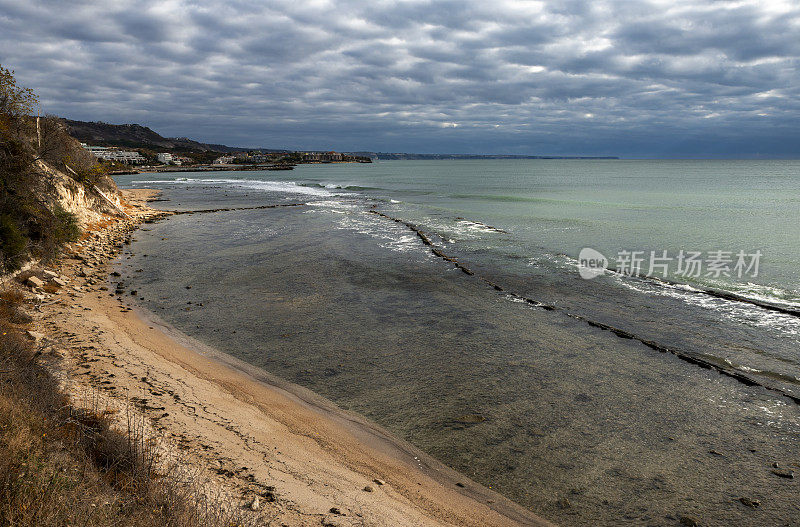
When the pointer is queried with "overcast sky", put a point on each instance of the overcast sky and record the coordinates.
(633, 78)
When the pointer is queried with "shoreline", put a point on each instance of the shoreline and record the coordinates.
(253, 431)
(223, 167)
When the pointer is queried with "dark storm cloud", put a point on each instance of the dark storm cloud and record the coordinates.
(561, 77)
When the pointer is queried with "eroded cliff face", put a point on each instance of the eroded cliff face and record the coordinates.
(86, 201)
(90, 205)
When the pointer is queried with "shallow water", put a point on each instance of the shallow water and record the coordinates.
(578, 424)
(553, 207)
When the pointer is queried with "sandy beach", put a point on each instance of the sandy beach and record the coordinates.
(247, 432)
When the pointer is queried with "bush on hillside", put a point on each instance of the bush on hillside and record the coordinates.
(32, 224)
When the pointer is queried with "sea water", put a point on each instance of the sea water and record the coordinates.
(544, 405)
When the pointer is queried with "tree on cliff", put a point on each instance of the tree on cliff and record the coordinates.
(31, 224)
(15, 101)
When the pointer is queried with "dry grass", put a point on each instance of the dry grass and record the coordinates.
(62, 465)
(11, 307)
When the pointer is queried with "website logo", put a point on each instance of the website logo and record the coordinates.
(591, 263)
(684, 264)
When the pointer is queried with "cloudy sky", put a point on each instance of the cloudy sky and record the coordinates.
(634, 78)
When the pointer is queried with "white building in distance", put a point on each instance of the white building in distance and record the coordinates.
(110, 153)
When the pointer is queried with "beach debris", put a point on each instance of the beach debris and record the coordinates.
(459, 484)
(788, 474)
(256, 503)
(368, 489)
(335, 510)
(753, 504)
(34, 281)
(469, 419)
(715, 453)
(34, 335)
(689, 521)
(379, 482)
(49, 274)
(333, 521)
(58, 281)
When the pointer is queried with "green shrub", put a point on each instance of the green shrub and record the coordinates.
(13, 244)
(66, 227)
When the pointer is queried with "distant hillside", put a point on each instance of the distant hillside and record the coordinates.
(137, 136)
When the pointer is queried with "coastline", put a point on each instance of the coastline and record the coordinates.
(252, 433)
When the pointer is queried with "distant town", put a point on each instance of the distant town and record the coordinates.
(236, 161)
(136, 148)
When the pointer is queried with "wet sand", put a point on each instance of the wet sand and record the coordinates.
(251, 433)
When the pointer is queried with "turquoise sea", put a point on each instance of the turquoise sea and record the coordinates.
(621, 399)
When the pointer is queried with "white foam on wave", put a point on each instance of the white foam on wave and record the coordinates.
(333, 204)
(389, 237)
(289, 187)
(149, 181)
(767, 293)
(460, 230)
(559, 260)
(475, 226)
(733, 310)
(751, 313)
(278, 186)
(351, 217)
